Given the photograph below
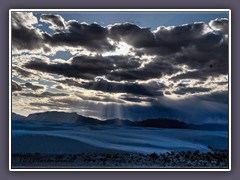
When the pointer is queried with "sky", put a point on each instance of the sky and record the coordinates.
(128, 65)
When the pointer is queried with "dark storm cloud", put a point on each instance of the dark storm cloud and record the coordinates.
(205, 67)
(144, 89)
(16, 87)
(24, 35)
(131, 88)
(58, 87)
(26, 38)
(191, 90)
(33, 86)
(68, 82)
(155, 69)
(170, 40)
(132, 34)
(167, 92)
(86, 67)
(64, 69)
(131, 99)
(44, 94)
(222, 83)
(67, 69)
(163, 41)
(135, 98)
(209, 51)
(202, 75)
(194, 45)
(56, 21)
(90, 36)
(105, 65)
(220, 25)
(21, 71)
(208, 56)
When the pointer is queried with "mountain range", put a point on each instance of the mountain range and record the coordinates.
(66, 117)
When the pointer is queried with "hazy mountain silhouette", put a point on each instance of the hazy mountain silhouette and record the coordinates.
(17, 116)
(65, 117)
(162, 123)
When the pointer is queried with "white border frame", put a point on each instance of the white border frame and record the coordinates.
(118, 10)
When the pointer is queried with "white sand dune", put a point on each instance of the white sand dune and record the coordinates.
(55, 138)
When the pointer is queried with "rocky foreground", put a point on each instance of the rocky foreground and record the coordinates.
(183, 159)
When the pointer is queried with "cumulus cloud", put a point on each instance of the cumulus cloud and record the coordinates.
(33, 86)
(20, 71)
(191, 90)
(58, 87)
(161, 41)
(68, 82)
(172, 39)
(24, 35)
(220, 25)
(149, 89)
(132, 99)
(85, 67)
(194, 45)
(131, 88)
(44, 94)
(27, 37)
(26, 19)
(16, 87)
(132, 34)
(202, 74)
(156, 68)
(56, 21)
(208, 57)
(90, 36)
(118, 68)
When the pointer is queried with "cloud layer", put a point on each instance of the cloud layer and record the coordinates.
(121, 65)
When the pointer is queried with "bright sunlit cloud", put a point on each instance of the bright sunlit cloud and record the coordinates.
(121, 49)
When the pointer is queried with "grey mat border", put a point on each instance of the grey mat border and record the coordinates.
(166, 4)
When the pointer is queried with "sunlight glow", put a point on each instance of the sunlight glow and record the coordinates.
(122, 49)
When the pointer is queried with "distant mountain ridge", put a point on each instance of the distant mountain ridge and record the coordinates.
(53, 116)
(66, 117)
(17, 116)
